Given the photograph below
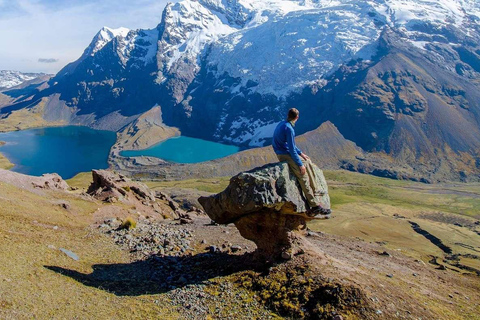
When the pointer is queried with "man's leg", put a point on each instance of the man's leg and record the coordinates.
(312, 177)
(302, 179)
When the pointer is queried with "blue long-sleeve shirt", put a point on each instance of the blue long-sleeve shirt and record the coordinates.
(284, 141)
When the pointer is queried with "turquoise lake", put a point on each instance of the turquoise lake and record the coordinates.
(74, 149)
(64, 150)
(185, 150)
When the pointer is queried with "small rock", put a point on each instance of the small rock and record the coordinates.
(390, 275)
(450, 296)
(338, 317)
(378, 312)
(415, 274)
(203, 241)
(70, 254)
(385, 253)
(65, 206)
(51, 246)
(185, 221)
(286, 255)
(110, 221)
(235, 248)
(299, 252)
(55, 228)
(213, 249)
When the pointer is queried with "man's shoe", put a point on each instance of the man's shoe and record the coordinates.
(319, 213)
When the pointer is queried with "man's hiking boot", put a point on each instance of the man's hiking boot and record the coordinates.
(319, 213)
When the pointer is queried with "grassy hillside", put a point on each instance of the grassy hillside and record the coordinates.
(4, 162)
(32, 231)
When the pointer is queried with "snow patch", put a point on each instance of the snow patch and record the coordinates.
(256, 133)
(9, 78)
(286, 61)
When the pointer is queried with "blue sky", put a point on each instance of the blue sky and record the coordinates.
(45, 35)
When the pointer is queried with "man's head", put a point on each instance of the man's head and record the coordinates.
(293, 114)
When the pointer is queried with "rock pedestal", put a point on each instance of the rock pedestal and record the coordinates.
(267, 206)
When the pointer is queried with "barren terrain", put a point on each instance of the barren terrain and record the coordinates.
(370, 251)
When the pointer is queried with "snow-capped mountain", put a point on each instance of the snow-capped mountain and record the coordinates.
(9, 78)
(397, 77)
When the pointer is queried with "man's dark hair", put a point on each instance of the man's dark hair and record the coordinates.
(292, 114)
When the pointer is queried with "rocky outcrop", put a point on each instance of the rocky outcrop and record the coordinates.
(267, 206)
(50, 181)
(112, 187)
(38, 185)
(109, 186)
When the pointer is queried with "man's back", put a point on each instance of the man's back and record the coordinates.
(279, 142)
(284, 141)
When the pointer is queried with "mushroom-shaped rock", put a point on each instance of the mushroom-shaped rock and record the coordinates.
(267, 206)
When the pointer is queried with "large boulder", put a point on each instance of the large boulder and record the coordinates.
(267, 206)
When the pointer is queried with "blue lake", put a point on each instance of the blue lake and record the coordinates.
(73, 149)
(64, 150)
(185, 150)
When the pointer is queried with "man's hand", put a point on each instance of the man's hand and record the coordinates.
(303, 170)
(304, 156)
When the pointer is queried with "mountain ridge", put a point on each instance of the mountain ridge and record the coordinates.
(227, 71)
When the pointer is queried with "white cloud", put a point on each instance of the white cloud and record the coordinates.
(35, 29)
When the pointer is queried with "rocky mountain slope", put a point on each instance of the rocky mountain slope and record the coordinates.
(397, 78)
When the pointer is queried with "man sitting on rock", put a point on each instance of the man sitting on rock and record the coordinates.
(286, 150)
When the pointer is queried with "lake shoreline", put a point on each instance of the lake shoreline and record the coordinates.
(184, 150)
(29, 153)
(65, 150)
(5, 163)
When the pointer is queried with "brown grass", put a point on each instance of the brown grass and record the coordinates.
(33, 229)
(4, 162)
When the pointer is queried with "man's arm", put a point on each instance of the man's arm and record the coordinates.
(292, 148)
(301, 154)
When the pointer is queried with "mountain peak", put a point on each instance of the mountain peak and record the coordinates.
(104, 36)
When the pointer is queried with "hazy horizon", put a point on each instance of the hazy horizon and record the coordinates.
(45, 35)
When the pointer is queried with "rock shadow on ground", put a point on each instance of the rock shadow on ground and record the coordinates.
(160, 274)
